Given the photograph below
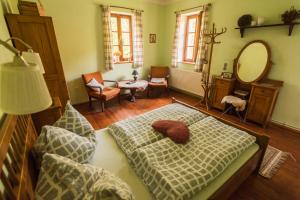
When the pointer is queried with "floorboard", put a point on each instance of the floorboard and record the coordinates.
(284, 185)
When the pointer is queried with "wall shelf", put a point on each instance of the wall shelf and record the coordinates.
(290, 26)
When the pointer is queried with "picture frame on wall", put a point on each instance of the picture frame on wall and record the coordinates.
(226, 75)
(152, 38)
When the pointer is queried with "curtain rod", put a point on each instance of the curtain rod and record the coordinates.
(192, 8)
(124, 8)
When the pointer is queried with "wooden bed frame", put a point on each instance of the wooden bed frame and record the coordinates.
(19, 175)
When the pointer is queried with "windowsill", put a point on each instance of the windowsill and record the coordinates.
(186, 70)
(189, 63)
(125, 62)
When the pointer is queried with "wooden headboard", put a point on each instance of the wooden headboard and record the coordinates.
(18, 172)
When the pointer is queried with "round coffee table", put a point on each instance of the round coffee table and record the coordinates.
(133, 86)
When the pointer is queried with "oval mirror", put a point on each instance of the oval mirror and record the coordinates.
(253, 62)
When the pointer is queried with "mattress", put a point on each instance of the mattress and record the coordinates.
(109, 156)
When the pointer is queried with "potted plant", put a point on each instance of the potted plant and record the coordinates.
(290, 15)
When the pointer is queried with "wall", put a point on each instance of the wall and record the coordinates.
(78, 26)
(285, 49)
(5, 55)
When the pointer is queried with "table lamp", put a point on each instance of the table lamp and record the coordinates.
(135, 74)
(22, 85)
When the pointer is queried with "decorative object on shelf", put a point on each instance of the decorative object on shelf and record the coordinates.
(135, 74)
(213, 34)
(289, 16)
(253, 23)
(23, 87)
(152, 38)
(117, 55)
(260, 21)
(245, 20)
(227, 75)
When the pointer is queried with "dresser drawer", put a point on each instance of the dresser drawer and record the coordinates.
(263, 91)
(223, 83)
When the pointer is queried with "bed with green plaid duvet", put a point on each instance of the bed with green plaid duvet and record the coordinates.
(136, 132)
(178, 172)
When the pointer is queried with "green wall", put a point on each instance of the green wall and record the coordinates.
(78, 26)
(5, 55)
(285, 49)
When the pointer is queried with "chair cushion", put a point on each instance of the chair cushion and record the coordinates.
(162, 84)
(62, 178)
(175, 130)
(157, 80)
(64, 143)
(95, 85)
(107, 93)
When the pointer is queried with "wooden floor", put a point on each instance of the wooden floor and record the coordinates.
(285, 185)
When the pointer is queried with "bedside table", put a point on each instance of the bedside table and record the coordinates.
(49, 116)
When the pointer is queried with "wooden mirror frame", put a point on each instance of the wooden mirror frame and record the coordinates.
(267, 67)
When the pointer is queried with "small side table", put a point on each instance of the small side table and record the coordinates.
(133, 86)
(48, 116)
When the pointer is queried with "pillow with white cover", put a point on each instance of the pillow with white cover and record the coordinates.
(64, 143)
(157, 80)
(95, 85)
(62, 178)
(73, 121)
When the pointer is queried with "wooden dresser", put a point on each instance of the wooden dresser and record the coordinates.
(221, 88)
(261, 104)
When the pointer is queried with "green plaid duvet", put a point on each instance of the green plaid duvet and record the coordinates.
(136, 132)
(178, 172)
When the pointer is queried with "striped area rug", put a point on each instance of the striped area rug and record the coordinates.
(272, 161)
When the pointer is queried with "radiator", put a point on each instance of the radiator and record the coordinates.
(187, 81)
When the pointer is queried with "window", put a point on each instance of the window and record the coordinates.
(122, 37)
(191, 38)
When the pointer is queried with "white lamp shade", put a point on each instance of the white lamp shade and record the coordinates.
(32, 57)
(23, 89)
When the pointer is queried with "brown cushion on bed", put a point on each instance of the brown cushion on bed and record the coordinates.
(175, 130)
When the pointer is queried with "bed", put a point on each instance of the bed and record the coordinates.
(18, 174)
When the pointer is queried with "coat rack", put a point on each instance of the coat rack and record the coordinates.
(213, 34)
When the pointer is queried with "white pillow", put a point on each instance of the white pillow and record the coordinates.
(157, 80)
(95, 85)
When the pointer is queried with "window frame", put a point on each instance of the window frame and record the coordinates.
(198, 18)
(120, 39)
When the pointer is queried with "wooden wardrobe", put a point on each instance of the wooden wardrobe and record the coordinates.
(39, 33)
